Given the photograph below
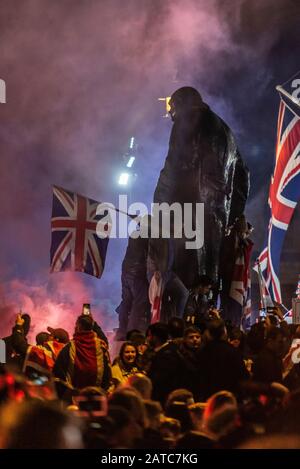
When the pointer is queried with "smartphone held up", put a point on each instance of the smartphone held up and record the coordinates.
(86, 309)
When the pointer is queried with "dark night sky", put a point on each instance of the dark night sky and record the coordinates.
(82, 77)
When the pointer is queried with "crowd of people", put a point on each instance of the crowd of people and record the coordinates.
(179, 385)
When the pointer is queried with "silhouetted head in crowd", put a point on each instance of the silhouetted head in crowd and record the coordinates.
(259, 400)
(275, 341)
(217, 330)
(95, 433)
(26, 324)
(203, 285)
(273, 319)
(176, 327)
(59, 335)
(218, 400)
(138, 339)
(196, 411)
(92, 391)
(192, 338)
(154, 414)
(256, 337)
(180, 395)
(89, 401)
(242, 227)
(220, 416)
(179, 411)
(37, 424)
(84, 323)
(124, 431)
(132, 402)
(42, 338)
(236, 338)
(141, 383)
(170, 428)
(222, 422)
(131, 334)
(157, 334)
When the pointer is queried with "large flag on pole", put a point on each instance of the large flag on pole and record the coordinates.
(75, 244)
(284, 189)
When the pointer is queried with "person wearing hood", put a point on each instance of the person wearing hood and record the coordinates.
(84, 361)
(14, 359)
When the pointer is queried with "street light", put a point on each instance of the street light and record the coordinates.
(130, 161)
(123, 179)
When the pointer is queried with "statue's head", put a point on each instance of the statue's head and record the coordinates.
(184, 101)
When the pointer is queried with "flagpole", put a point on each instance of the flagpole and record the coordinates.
(121, 211)
(288, 95)
(262, 296)
(125, 213)
(263, 300)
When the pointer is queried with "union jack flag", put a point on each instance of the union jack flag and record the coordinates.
(265, 297)
(74, 244)
(240, 289)
(283, 196)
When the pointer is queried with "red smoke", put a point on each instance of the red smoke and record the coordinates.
(56, 308)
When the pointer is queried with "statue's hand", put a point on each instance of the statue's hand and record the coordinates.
(228, 230)
(157, 275)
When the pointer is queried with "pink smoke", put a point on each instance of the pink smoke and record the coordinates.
(73, 100)
(56, 308)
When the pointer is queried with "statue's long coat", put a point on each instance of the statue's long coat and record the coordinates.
(203, 165)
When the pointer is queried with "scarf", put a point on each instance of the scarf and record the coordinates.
(86, 360)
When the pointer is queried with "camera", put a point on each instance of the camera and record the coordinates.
(95, 406)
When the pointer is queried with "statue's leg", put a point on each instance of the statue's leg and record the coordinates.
(140, 310)
(178, 290)
(125, 306)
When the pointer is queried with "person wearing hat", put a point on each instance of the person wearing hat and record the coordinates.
(42, 337)
(15, 360)
(39, 358)
(59, 335)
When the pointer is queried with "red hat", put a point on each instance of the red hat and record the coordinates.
(59, 334)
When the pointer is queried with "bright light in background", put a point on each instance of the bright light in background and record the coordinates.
(167, 103)
(130, 161)
(123, 179)
(131, 143)
(168, 107)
